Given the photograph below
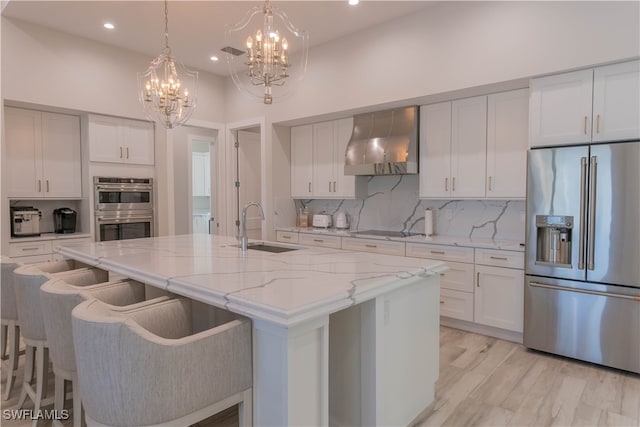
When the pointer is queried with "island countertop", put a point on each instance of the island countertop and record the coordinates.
(283, 288)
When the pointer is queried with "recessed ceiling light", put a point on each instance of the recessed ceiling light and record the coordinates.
(354, 2)
(109, 26)
(214, 58)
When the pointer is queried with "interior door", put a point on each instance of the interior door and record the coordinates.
(249, 171)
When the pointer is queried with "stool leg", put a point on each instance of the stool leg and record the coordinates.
(14, 348)
(42, 363)
(77, 403)
(28, 374)
(245, 409)
(58, 402)
(3, 340)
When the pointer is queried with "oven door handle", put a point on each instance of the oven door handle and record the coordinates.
(125, 219)
(585, 291)
(128, 189)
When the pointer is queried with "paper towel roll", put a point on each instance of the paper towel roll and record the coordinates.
(428, 222)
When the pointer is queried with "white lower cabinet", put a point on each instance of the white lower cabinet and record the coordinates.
(499, 290)
(36, 251)
(287, 236)
(375, 246)
(319, 240)
(456, 304)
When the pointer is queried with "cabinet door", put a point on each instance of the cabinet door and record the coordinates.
(23, 135)
(61, 170)
(323, 159)
(345, 184)
(616, 102)
(435, 150)
(105, 139)
(138, 142)
(301, 161)
(499, 297)
(507, 143)
(468, 147)
(560, 109)
(198, 184)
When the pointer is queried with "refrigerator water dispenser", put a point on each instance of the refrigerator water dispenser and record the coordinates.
(554, 240)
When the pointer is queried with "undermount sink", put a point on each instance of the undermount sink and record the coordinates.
(265, 247)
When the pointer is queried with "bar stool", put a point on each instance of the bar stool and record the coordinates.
(28, 280)
(10, 332)
(58, 298)
(148, 366)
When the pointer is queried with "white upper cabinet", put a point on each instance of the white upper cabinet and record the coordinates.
(507, 143)
(301, 161)
(116, 140)
(317, 162)
(616, 102)
(43, 153)
(600, 104)
(453, 149)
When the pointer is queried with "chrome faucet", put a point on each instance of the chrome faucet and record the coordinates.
(244, 239)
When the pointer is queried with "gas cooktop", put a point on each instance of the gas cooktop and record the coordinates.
(386, 233)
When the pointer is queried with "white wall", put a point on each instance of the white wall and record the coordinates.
(46, 67)
(451, 46)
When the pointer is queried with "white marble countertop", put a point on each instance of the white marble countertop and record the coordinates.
(49, 236)
(470, 242)
(284, 288)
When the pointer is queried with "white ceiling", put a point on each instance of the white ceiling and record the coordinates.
(196, 28)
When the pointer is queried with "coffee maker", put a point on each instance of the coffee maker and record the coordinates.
(64, 220)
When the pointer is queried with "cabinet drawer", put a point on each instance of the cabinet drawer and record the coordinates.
(29, 248)
(57, 243)
(497, 258)
(456, 304)
(34, 259)
(286, 236)
(319, 240)
(459, 277)
(440, 252)
(375, 246)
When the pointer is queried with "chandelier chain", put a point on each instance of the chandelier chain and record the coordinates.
(166, 25)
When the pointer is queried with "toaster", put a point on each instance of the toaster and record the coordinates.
(25, 221)
(322, 220)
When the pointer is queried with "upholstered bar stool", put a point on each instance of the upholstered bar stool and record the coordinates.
(58, 298)
(28, 280)
(147, 366)
(10, 341)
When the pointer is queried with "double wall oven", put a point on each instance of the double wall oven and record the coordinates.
(123, 208)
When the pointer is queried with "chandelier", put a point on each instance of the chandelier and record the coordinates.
(267, 62)
(167, 90)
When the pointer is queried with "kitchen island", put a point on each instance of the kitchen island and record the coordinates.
(339, 337)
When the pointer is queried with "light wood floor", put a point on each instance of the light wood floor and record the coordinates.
(485, 381)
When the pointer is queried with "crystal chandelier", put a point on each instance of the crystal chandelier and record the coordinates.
(267, 61)
(167, 90)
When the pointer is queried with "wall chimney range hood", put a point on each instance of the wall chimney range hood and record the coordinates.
(384, 143)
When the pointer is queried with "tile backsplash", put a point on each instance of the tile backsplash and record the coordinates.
(393, 204)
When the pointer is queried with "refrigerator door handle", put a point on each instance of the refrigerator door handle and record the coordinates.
(583, 210)
(584, 291)
(593, 168)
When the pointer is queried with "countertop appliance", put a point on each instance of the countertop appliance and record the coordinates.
(341, 220)
(25, 221)
(321, 220)
(64, 220)
(582, 283)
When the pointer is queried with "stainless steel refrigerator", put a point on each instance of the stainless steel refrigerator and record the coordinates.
(582, 285)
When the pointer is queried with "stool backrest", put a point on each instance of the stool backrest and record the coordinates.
(8, 310)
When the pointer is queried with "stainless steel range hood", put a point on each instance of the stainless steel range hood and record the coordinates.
(384, 143)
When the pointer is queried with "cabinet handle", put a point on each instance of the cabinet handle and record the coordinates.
(309, 187)
(437, 252)
(441, 302)
(47, 186)
(318, 240)
(501, 258)
(478, 279)
(489, 183)
(453, 184)
(585, 125)
(329, 186)
(446, 184)
(30, 249)
(127, 152)
(371, 246)
(286, 237)
(334, 186)
(39, 185)
(441, 274)
(598, 123)
(120, 152)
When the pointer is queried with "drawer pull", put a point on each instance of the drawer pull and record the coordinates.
(30, 249)
(441, 274)
(441, 302)
(500, 258)
(286, 237)
(437, 252)
(318, 240)
(371, 246)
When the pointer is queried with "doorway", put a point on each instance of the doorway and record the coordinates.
(201, 206)
(248, 168)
